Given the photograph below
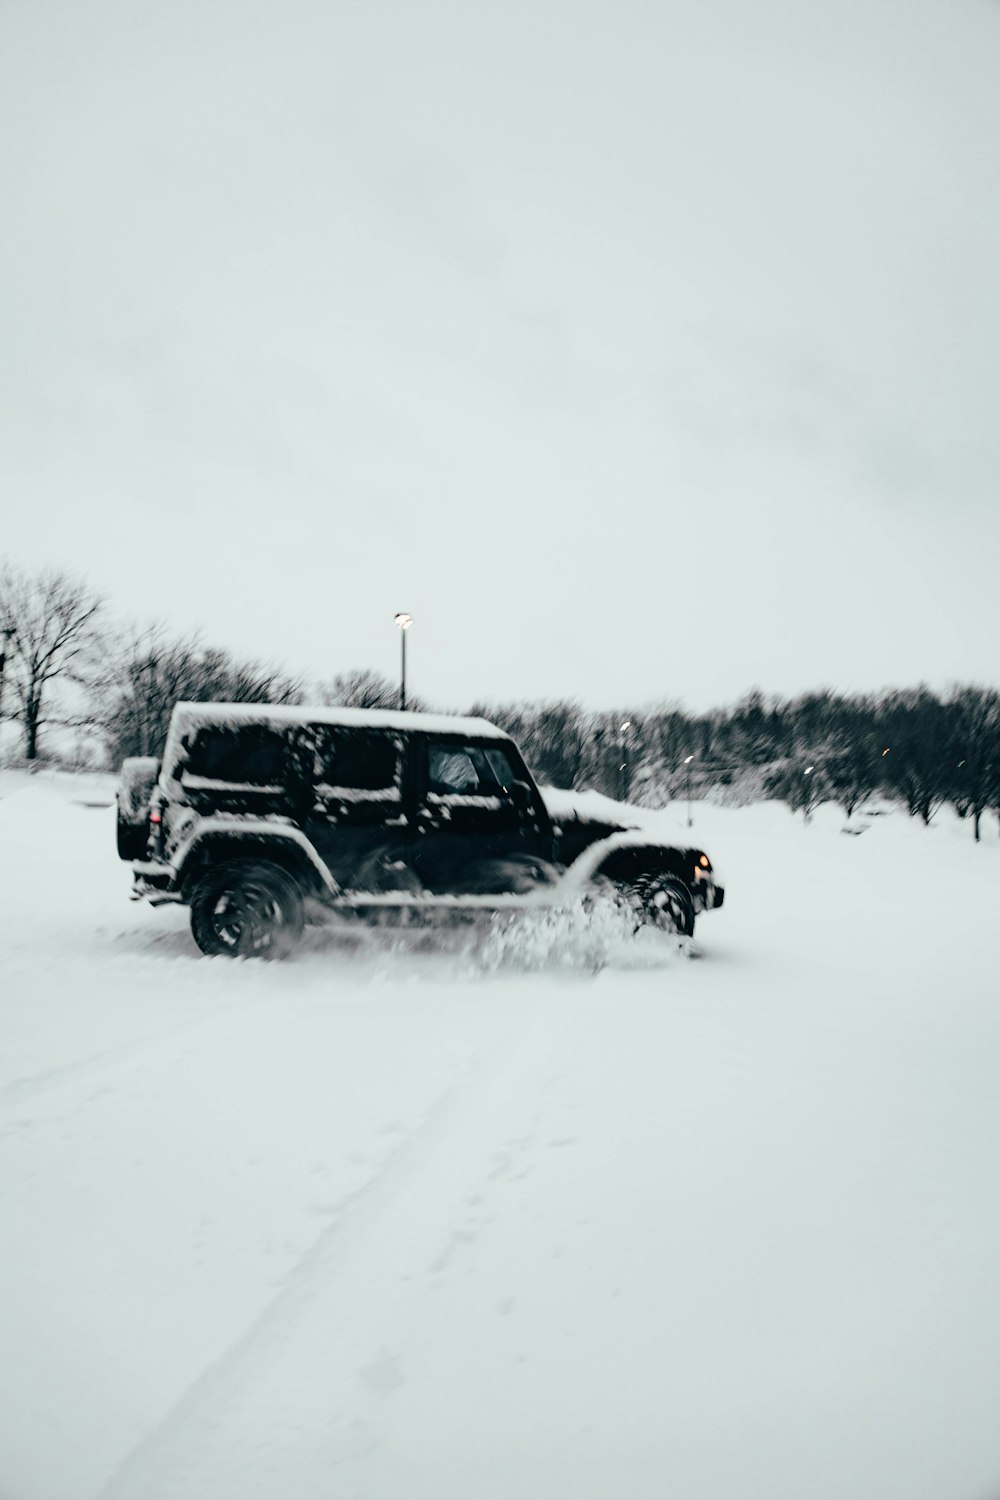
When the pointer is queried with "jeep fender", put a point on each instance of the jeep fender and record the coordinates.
(633, 852)
(284, 845)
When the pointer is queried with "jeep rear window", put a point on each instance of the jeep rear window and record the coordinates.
(360, 759)
(241, 754)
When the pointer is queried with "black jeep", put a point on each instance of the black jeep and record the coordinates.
(258, 817)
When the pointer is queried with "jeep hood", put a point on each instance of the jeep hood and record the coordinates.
(589, 810)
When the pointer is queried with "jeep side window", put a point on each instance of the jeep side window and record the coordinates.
(355, 759)
(240, 755)
(450, 770)
(468, 770)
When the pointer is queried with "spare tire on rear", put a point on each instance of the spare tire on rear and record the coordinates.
(135, 790)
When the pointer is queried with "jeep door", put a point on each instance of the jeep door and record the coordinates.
(479, 826)
(355, 815)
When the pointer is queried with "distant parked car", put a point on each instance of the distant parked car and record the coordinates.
(258, 817)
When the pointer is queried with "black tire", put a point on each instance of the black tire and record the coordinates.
(665, 903)
(247, 910)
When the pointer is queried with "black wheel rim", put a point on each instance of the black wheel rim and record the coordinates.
(667, 909)
(247, 919)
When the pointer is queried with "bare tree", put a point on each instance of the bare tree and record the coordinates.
(801, 783)
(145, 671)
(751, 732)
(361, 688)
(853, 762)
(142, 674)
(920, 750)
(976, 772)
(559, 739)
(53, 624)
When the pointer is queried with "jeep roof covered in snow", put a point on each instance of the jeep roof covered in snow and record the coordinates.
(259, 818)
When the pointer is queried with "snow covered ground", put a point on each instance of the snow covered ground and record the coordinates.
(405, 1227)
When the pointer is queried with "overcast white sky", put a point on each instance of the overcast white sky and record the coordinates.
(640, 349)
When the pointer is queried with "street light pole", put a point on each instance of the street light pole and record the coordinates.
(623, 768)
(404, 621)
(687, 761)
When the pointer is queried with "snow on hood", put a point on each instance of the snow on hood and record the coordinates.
(590, 807)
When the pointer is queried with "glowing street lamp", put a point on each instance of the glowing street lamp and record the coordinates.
(404, 621)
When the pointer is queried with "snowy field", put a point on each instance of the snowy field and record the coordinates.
(411, 1226)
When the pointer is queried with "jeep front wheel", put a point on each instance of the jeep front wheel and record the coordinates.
(665, 903)
(247, 910)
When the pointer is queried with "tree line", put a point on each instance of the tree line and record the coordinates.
(907, 745)
(66, 665)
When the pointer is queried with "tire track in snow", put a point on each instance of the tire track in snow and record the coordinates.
(97, 1065)
(368, 1226)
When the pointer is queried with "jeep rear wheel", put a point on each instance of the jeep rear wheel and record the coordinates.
(666, 903)
(247, 910)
